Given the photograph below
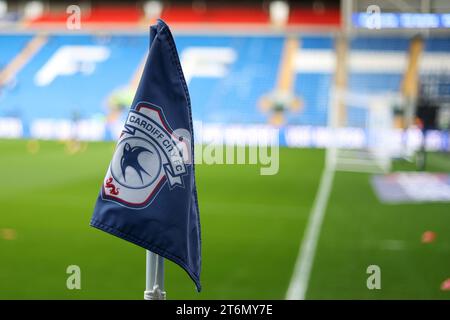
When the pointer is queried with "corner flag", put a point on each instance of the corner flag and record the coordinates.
(149, 196)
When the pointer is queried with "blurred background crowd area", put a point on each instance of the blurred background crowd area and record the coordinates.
(71, 70)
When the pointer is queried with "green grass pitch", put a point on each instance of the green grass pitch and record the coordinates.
(252, 226)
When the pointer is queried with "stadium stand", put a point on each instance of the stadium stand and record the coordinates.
(232, 97)
(313, 82)
(221, 14)
(318, 18)
(11, 46)
(230, 75)
(376, 67)
(96, 15)
(93, 80)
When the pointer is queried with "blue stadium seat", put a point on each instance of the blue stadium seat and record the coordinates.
(313, 87)
(232, 98)
(81, 93)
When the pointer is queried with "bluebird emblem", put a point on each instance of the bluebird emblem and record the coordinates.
(148, 155)
(130, 159)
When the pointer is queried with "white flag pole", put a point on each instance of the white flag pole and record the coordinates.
(154, 277)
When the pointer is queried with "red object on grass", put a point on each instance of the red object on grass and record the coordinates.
(445, 286)
(428, 237)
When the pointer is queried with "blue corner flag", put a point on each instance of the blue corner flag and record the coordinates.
(149, 196)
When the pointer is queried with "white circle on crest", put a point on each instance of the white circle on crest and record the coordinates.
(136, 163)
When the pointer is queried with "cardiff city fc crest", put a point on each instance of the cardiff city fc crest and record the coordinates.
(147, 155)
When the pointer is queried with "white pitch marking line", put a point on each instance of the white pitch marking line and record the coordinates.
(300, 278)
